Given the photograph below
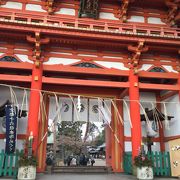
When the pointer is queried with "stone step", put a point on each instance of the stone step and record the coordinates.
(80, 169)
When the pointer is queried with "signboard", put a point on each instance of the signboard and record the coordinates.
(174, 148)
(11, 126)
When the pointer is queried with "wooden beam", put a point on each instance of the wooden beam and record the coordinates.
(124, 93)
(11, 65)
(158, 75)
(79, 70)
(19, 136)
(80, 82)
(168, 95)
(159, 86)
(166, 139)
(83, 34)
(15, 78)
(127, 138)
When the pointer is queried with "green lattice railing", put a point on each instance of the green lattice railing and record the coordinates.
(161, 161)
(9, 164)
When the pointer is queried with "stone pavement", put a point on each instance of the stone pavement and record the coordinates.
(91, 177)
(88, 177)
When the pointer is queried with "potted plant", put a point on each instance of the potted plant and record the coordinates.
(27, 168)
(144, 167)
(27, 163)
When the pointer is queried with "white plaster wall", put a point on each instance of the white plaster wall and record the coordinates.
(156, 146)
(12, 5)
(136, 19)
(154, 20)
(166, 146)
(67, 11)
(173, 109)
(128, 146)
(34, 7)
(64, 61)
(103, 15)
(170, 69)
(23, 58)
(145, 67)
(115, 65)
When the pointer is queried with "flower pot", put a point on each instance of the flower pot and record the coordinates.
(145, 173)
(27, 173)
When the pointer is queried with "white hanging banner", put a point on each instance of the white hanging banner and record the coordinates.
(66, 111)
(82, 109)
(98, 116)
(104, 111)
(94, 115)
(53, 108)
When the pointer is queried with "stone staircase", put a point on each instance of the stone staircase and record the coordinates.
(81, 169)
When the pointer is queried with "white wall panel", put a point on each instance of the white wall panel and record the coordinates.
(103, 15)
(136, 19)
(35, 7)
(66, 11)
(154, 20)
(12, 5)
(115, 65)
(173, 109)
(64, 61)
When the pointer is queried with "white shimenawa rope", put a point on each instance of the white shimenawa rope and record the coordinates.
(22, 103)
(127, 108)
(94, 97)
(166, 122)
(117, 112)
(57, 103)
(76, 112)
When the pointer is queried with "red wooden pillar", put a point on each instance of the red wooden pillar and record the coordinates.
(42, 137)
(34, 105)
(134, 113)
(113, 153)
(120, 134)
(108, 145)
(179, 85)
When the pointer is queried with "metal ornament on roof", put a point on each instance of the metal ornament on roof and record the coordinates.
(86, 65)
(9, 59)
(157, 69)
(89, 8)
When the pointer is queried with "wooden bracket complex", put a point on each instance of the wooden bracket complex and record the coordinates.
(37, 41)
(2, 2)
(124, 9)
(136, 53)
(173, 17)
(49, 5)
(178, 64)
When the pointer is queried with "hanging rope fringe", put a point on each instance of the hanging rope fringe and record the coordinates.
(117, 112)
(76, 95)
(127, 108)
(75, 108)
(166, 122)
